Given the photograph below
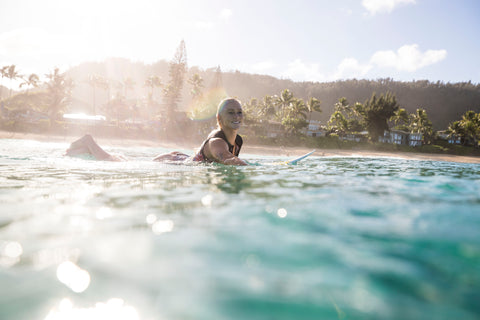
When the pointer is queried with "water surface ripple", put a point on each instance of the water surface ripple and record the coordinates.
(329, 238)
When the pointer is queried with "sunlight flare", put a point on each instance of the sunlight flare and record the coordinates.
(73, 276)
(114, 308)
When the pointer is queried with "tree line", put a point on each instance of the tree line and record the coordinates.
(375, 115)
(400, 105)
(444, 102)
(55, 96)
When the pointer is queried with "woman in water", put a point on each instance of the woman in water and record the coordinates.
(222, 145)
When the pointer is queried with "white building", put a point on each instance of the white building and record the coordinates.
(314, 129)
(402, 138)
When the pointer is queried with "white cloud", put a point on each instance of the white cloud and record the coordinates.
(300, 71)
(407, 58)
(347, 69)
(384, 6)
(225, 14)
(351, 68)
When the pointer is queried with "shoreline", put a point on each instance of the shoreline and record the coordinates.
(247, 149)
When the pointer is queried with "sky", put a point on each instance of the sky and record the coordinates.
(301, 40)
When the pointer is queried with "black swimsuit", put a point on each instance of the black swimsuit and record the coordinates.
(200, 156)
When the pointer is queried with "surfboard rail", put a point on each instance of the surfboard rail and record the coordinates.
(294, 161)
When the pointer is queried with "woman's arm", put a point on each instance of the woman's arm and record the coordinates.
(217, 150)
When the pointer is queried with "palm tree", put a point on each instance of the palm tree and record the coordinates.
(266, 111)
(342, 106)
(267, 107)
(152, 82)
(401, 120)
(32, 80)
(12, 74)
(58, 92)
(129, 84)
(468, 128)
(106, 85)
(456, 129)
(351, 119)
(313, 104)
(420, 123)
(196, 82)
(338, 123)
(295, 118)
(3, 72)
(283, 102)
(470, 123)
(250, 109)
(297, 109)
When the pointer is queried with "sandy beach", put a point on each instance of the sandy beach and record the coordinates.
(247, 149)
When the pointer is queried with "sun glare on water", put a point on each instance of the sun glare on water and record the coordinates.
(73, 276)
(114, 308)
(78, 280)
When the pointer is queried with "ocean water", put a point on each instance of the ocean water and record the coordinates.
(329, 238)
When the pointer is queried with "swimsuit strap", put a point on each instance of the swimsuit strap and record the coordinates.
(220, 134)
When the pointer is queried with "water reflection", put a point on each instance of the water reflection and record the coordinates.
(162, 226)
(229, 179)
(282, 212)
(73, 276)
(112, 309)
(10, 252)
(330, 238)
(207, 200)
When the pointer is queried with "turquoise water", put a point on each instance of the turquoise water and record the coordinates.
(329, 238)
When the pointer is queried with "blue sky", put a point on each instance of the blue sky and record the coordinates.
(301, 40)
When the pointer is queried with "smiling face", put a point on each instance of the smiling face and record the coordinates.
(230, 114)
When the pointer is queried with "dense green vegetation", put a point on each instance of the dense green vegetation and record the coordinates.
(172, 93)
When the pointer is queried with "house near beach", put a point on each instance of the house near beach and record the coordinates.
(314, 129)
(401, 138)
(357, 136)
(450, 138)
(415, 139)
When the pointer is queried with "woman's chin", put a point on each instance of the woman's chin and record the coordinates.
(235, 126)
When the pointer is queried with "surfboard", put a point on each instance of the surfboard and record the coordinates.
(294, 161)
(289, 162)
